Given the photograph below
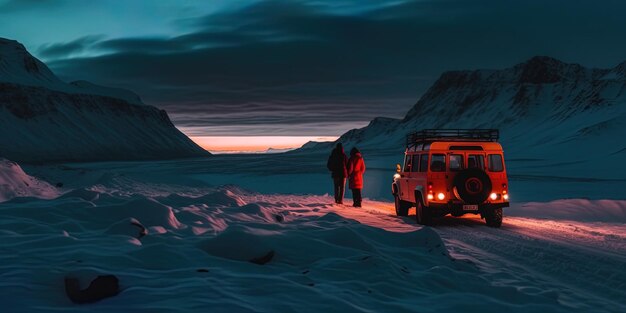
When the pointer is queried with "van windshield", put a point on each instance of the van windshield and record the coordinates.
(407, 163)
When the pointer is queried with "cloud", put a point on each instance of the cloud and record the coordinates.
(320, 67)
(13, 6)
(68, 49)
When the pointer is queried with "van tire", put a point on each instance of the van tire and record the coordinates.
(472, 177)
(422, 214)
(402, 207)
(493, 218)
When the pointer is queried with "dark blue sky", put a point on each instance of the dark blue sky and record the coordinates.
(301, 67)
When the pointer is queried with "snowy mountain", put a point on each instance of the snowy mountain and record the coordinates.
(271, 150)
(546, 110)
(44, 119)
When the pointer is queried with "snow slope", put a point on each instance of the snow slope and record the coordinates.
(44, 119)
(178, 244)
(555, 118)
(15, 183)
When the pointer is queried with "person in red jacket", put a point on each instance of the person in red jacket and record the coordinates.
(356, 168)
(337, 165)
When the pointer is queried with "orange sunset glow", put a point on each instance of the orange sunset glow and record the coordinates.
(254, 144)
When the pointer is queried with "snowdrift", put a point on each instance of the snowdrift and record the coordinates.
(232, 251)
(177, 244)
(15, 183)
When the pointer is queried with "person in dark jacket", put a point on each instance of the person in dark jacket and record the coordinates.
(356, 168)
(337, 165)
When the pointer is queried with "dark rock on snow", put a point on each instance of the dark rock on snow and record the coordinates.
(100, 288)
(264, 259)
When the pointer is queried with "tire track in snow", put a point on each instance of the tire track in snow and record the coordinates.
(582, 264)
(586, 270)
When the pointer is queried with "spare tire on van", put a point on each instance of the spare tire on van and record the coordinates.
(472, 185)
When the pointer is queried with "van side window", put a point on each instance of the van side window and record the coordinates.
(415, 163)
(456, 162)
(424, 163)
(438, 163)
(495, 163)
(476, 161)
(407, 163)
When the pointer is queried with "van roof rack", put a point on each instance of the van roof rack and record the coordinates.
(477, 134)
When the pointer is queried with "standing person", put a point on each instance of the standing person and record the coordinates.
(356, 168)
(337, 165)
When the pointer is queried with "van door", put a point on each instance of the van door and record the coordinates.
(404, 180)
(418, 176)
(456, 163)
(496, 170)
(415, 178)
(437, 172)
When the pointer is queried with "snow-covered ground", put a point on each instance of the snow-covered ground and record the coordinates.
(178, 242)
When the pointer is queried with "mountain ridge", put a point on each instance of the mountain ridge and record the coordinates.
(543, 107)
(43, 119)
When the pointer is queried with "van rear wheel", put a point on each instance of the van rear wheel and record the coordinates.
(402, 207)
(422, 214)
(494, 218)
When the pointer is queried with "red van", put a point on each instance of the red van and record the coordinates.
(452, 171)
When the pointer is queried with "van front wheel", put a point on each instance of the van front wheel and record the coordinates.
(494, 218)
(402, 207)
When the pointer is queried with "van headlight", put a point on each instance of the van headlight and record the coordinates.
(505, 197)
(493, 196)
(441, 196)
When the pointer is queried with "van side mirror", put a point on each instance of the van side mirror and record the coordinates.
(398, 168)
